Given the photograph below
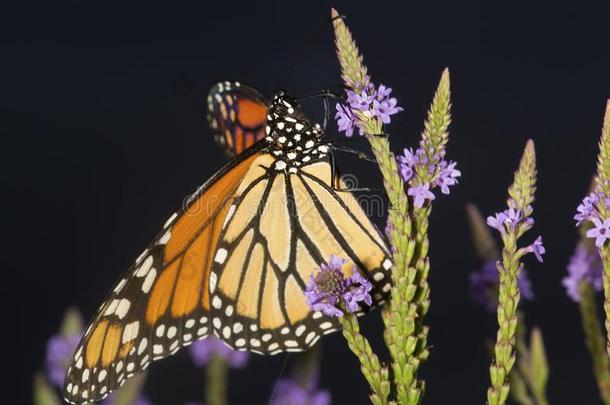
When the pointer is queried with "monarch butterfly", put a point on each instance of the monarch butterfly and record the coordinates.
(235, 259)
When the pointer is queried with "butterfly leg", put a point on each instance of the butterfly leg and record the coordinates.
(336, 178)
(357, 153)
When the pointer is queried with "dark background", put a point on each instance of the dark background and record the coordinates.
(103, 135)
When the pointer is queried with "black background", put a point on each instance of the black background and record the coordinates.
(103, 135)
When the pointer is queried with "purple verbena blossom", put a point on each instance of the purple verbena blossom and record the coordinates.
(447, 177)
(329, 289)
(345, 120)
(59, 353)
(584, 267)
(289, 392)
(383, 109)
(509, 220)
(586, 209)
(420, 194)
(601, 231)
(361, 101)
(537, 248)
(484, 286)
(369, 101)
(202, 351)
(406, 164)
(441, 173)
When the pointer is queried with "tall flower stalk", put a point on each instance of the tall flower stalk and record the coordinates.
(529, 378)
(512, 223)
(595, 209)
(405, 333)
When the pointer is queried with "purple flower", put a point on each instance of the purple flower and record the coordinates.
(289, 392)
(383, 92)
(202, 352)
(584, 267)
(484, 286)
(383, 109)
(329, 288)
(497, 221)
(369, 101)
(508, 219)
(362, 101)
(359, 293)
(448, 176)
(586, 209)
(601, 232)
(59, 353)
(537, 248)
(406, 163)
(345, 120)
(420, 194)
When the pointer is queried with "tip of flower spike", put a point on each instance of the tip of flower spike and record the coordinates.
(333, 13)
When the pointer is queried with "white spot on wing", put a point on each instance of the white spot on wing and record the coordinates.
(221, 256)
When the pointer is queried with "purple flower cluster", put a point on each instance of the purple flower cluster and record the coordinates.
(588, 210)
(370, 101)
(59, 353)
(439, 171)
(514, 220)
(289, 392)
(484, 286)
(329, 288)
(584, 267)
(202, 351)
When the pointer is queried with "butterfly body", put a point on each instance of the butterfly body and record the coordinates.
(235, 259)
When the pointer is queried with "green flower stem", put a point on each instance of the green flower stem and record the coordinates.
(405, 333)
(216, 381)
(594, 339)
(521, 193)
(603, 183)
(375, 373)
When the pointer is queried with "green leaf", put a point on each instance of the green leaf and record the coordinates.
(518, 389)
(484, 242)
(72, 323)
(539, 368)
(44, 394)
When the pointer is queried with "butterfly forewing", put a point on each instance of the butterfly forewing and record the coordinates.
(162, 303)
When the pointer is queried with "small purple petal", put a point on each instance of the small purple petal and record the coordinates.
(601, 231)
(202, 352)
(420, 194)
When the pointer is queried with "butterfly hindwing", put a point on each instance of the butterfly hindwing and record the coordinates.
(295, 222)
(236, 114)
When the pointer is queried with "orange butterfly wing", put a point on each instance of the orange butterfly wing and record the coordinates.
(236, 114)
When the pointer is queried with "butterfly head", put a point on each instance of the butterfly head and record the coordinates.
(295, 138)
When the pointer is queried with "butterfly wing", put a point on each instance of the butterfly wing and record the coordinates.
(276, 235)
(162, 303)
(236, 114)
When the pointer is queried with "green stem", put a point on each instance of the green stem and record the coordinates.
(216, 381)
(504, 349)
(594, 340)
(375, 373)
